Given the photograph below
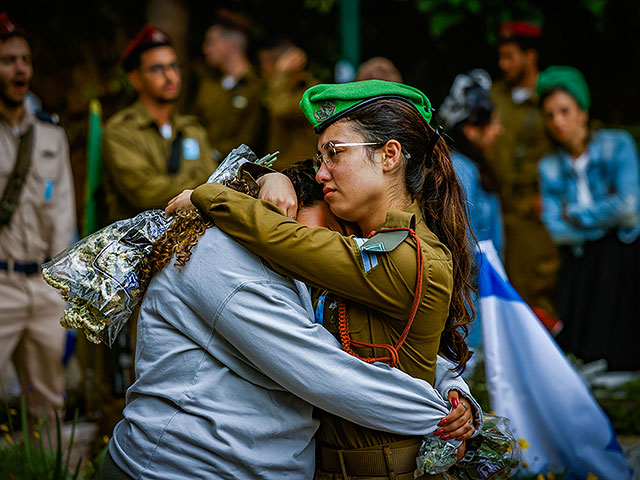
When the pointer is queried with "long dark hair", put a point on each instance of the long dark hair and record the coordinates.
(442, 201)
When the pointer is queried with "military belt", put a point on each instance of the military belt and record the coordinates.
(381, 461)
(29, 268)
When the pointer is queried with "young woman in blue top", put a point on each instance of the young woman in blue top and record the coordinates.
(470, 120)
(591, 197)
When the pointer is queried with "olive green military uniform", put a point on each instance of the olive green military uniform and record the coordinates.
(136, 161)
(289, 131)
(531, 259)
(378, 282)
(232, 116)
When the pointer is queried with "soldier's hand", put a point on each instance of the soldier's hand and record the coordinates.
(180, 202)
(278, 189)
(292, 60)
(459, 423)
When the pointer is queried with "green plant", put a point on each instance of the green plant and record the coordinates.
(23, 460)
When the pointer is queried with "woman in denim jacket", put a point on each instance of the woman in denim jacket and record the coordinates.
(591, 206)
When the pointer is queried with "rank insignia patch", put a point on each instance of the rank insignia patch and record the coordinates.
(190, 149)
(369, 259)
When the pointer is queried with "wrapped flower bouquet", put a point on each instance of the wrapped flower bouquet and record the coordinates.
(100, 275)
(493, 454)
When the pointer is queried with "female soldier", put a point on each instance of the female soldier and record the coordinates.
(399, 296)
(591, 197)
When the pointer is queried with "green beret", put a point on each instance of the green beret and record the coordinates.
(567, 78)
(324, 104)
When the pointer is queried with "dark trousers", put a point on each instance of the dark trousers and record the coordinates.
(111, 471)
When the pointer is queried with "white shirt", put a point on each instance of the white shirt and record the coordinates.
(579, 165)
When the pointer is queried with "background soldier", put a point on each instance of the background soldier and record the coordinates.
(37, 220)
(151, 152)
(282, 65)
(531, 258)
(229, 97)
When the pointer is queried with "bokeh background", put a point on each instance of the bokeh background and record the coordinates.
(77, 45)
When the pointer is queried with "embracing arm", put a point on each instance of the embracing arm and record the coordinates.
(306, 360)
(318, 256)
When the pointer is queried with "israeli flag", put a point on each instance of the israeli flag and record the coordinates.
(531, 382)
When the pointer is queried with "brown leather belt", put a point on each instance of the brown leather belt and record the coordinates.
(384, 460)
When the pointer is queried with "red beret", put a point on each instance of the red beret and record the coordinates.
(520, 29)
(9, 28)
(149, 37)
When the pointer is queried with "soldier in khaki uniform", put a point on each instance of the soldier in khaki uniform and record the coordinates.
(229, 98)
(37, 220)
(283, 67)
(152, 152)
(531, 259)
(394, 297)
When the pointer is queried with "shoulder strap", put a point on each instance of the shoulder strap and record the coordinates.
(11, 195)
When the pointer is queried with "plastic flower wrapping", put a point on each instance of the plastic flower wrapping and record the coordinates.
(99, 276)
(494, 454)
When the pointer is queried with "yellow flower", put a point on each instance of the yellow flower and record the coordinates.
(524, 444)
(37, 435)
(4, 428)
(525, 464)
(591, 476)
(105, 439)
(9, 439)
(551, 476)
(13, 411)
(540, 477)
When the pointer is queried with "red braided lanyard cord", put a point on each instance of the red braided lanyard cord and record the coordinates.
(343, 319)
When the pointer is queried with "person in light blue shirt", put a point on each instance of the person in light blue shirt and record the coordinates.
(591, 206)
(229, 367)
(470, 121)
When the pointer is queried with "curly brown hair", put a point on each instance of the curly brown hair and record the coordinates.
(182, 235)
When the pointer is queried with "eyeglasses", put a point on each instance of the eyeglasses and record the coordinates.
(160, 68)
(328, 153)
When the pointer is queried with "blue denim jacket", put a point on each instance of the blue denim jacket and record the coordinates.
(614, 182)
(484, 207)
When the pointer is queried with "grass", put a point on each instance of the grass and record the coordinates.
(28, 455)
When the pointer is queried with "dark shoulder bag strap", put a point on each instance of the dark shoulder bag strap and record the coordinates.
(175, 154)
(11, 195)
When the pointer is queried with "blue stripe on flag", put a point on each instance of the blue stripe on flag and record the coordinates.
(531, 382)
(491, 284)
